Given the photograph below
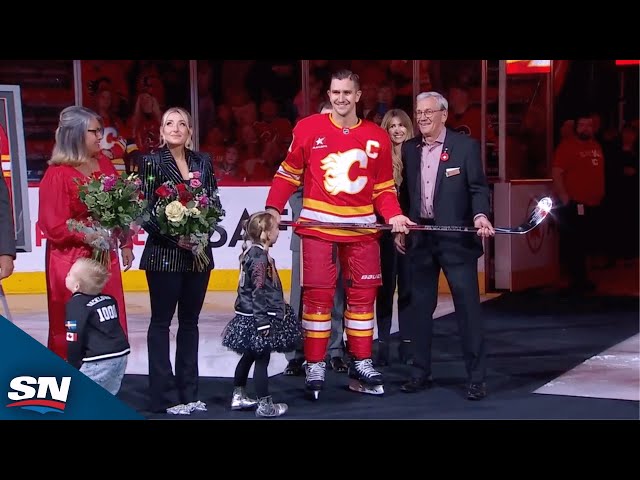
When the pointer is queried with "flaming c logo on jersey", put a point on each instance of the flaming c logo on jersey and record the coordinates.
(337, 166)
(109, 138)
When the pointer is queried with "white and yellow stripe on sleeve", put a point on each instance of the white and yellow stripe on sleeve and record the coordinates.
(380, 188)
(290, 174)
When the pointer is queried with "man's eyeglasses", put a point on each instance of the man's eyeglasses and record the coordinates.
(427, 113)
(98, 132)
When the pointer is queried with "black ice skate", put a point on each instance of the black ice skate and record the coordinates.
(364, 378)
(315, 379)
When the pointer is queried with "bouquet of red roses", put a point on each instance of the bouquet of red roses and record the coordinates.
(116, 207)
(188, 211)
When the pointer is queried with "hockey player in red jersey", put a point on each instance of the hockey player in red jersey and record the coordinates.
(345, 166)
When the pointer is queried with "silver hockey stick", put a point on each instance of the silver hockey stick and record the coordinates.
(537, 216)
(5, 304)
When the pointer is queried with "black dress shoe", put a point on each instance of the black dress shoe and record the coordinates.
(416, 385)
(294, 368)
(477, 391)
(337, 365)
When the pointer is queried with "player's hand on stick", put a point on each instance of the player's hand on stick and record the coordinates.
(400, 224)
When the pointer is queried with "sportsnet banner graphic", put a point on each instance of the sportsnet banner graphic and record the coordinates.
(36, 384)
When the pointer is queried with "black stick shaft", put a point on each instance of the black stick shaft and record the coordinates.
(386, 226)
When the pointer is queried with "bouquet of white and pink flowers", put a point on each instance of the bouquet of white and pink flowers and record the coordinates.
(188, 211)
(116, 207)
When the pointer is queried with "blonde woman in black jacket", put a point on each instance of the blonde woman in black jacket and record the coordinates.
(173, 280)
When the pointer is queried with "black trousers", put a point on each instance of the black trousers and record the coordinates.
(260, 374)
(395, 271)
(425, 264)
(168, 290)
(577, 238)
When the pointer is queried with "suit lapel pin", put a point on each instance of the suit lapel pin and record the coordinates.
(445, 155)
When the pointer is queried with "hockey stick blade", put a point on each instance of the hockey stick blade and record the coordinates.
(5, 304)
(537, 216)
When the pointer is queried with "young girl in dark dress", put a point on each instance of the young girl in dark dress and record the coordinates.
(264, 322)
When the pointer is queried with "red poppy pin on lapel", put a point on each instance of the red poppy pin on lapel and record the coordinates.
(445, 155)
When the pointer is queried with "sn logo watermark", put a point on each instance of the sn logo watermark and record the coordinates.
(46, 395)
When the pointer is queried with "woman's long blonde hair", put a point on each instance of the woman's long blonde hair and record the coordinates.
(139, 115)
(395, 151)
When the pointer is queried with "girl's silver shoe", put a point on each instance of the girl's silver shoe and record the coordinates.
(266, 408)
(240, 400)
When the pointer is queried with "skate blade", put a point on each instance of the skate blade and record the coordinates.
(312, 394)
(357, 386)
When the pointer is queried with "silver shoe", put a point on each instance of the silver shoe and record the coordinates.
(240, 400)
(266, 408)
(199, 406)
(180, 409)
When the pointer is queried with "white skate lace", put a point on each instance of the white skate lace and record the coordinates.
(365, 368)
(315, 371)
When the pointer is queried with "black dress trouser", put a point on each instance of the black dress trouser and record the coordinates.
(426, 262)
(168, 290)
(395, 271)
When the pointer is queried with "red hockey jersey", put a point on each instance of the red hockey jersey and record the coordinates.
(347, 175)
(5, 153)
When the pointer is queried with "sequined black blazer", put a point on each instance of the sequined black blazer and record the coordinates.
(259, 287)
(161, 252)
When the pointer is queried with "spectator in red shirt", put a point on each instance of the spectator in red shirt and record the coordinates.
(578, 174)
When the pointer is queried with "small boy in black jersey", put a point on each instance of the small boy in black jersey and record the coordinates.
(97, 344)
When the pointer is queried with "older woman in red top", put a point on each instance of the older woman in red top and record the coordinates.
(76, 156)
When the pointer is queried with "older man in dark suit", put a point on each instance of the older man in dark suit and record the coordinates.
(7, 233)
(446, 185)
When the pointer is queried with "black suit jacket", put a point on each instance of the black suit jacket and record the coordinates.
(7, 232)
(161, 252)
(457, 198)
